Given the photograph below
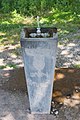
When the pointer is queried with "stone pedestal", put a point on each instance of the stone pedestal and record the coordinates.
(39, 55)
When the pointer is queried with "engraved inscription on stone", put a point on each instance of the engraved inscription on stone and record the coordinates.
(39, 62)
(38, 55)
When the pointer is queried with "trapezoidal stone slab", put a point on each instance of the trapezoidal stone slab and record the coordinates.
(39, 55)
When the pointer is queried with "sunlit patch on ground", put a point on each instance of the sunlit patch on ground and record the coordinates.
(67, 86)
(2, 33)
(65, 99)
(9, 116)
(28, 20)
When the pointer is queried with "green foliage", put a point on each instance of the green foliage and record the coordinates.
(39, 7)
(53, 13)
(7, 5)
(10, 27)
(76, 66)
(10, 65)
(12, 23)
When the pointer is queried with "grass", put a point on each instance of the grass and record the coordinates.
(10, 27)
(76, 66)
(12, 23)
(9, 65)
(66, 22)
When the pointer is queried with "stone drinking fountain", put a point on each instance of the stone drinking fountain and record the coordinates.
(39, 47)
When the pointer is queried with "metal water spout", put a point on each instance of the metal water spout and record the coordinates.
(38, 32)
(38, 28)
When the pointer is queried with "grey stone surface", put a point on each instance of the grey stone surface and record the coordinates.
(39, 56)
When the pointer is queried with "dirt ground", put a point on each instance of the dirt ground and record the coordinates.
(14, 104)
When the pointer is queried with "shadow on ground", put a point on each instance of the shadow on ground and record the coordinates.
(66, 84)
(14, 102)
